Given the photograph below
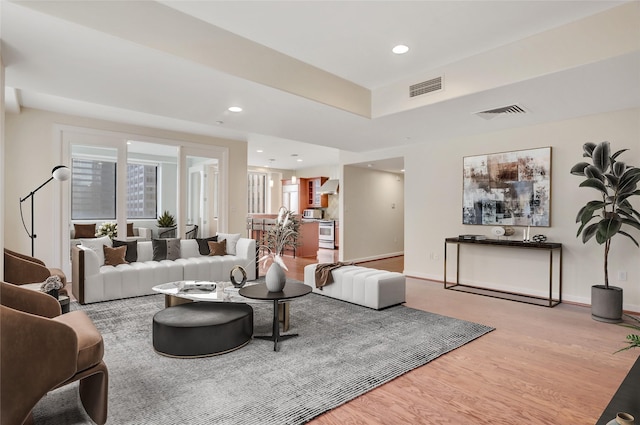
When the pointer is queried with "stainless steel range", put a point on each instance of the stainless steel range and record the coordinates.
(327, 234)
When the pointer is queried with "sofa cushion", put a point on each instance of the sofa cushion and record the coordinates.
(203, 244)
(96, 245)
(218, 248)
(84, 230)
(159, 249)
(232, 241)
(114, 256)
(132, 249)
(166, 249)
(173, 249)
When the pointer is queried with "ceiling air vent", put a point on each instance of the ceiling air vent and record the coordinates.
(505, 110)
(425, 87)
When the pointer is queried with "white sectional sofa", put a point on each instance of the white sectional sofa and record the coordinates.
(361, 285)
(94, 282)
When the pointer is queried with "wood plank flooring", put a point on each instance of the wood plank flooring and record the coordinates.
(540, 366)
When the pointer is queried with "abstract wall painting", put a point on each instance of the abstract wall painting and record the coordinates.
(509, 188)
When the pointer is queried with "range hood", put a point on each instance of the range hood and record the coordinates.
(330, 187)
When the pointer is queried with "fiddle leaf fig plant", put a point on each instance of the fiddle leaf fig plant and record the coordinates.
(611, 213)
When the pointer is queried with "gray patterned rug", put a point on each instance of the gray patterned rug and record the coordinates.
(343, 351)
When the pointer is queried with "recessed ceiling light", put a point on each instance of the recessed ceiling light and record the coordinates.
(400, 49)
(369, 165)
(299, 159)
(402, 170)
(259, 151)
(235, 109)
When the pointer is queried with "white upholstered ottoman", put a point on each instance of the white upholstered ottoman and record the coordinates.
(361, 285)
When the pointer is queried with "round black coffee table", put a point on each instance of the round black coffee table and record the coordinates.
(260, 292)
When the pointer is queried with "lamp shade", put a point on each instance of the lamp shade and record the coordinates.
(60, 172)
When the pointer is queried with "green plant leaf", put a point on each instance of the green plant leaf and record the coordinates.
(588, 149)
(607, 228)
(601, 156)
(596, 184)
(619, 168)
(622, 232)
(588, 232)
(631, 222)
(612, 180)
(593, 172)
(578, 169)
(617, 154)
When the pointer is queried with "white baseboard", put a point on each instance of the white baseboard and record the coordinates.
(376, 257)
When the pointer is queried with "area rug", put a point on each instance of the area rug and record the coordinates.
(343, 351)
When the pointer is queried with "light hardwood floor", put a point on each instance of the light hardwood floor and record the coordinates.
(540, 366)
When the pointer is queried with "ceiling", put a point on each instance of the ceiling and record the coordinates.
(313, 77)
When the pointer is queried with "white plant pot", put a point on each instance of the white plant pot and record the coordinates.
(275, 278)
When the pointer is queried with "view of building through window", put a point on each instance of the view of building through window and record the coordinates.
(93, 190)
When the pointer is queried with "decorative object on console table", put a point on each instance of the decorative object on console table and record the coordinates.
(616, 183)
(283, 233)
(59, 172)
(510, 188)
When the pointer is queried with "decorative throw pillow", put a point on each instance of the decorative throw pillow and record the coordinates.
(173, 249)
(217, 248)
(165, 249)
(159, 249)
(203, 244)
(84, 230)
(132, 249)
(232, 241)
(130, 229)
(96, 245)
(114, 256)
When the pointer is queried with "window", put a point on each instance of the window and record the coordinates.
(141, 190)
(93, 190)
(257, 191)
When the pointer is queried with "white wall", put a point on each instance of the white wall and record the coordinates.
(433, 206)
(31, 152)
(372, 223)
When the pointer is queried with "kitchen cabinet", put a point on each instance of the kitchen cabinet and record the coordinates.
(310, 192)
(304, 193)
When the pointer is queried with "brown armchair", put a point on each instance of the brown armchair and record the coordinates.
(43, 350)
(20, 269)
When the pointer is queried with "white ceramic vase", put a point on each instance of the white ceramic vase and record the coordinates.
(275, 278)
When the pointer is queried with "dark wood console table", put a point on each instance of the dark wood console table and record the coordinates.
(529, 299)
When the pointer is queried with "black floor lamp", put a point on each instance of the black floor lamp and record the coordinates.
(59, 172)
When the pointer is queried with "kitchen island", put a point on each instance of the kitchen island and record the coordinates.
(257, 224)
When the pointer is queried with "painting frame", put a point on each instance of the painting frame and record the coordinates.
(507, 188)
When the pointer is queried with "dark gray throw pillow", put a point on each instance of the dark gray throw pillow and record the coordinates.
(132, 249)
(203, 244)
(159, 249)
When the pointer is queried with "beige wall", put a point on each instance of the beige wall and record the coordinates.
(372, 222)
(433, 206)
(32, 151)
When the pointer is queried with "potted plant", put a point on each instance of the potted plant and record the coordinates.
(167, 222)
(632, 339)
(283, 233)
(609, 215)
